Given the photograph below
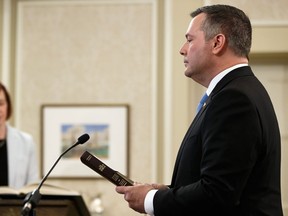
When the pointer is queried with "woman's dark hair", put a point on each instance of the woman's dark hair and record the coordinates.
(8, 100)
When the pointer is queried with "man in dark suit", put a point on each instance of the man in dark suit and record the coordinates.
(229, 161)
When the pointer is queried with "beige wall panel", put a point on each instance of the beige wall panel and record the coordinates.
(284, 178)
(260, 11)
(1, 37)
(270, 39)
(84, 52)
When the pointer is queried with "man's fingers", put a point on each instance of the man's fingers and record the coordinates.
(121, 189)
(159, 186)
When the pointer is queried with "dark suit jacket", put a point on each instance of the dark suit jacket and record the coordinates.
(229, 161)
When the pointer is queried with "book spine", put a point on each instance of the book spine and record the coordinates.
(98, 166)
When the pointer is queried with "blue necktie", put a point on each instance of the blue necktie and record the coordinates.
(202, 101)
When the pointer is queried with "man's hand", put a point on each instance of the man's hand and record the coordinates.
(159, 186)
(135, 195)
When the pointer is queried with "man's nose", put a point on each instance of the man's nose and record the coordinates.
(182, 50)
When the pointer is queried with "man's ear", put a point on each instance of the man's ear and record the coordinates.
(219, 43)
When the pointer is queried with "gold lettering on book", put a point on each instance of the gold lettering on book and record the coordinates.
(115, 177)
(123, 182)
(102, 167)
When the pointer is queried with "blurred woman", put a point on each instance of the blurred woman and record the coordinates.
(18, 164)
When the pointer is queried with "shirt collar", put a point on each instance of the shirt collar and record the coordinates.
(219, 76)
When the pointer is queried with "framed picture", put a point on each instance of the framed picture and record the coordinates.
(62, 125)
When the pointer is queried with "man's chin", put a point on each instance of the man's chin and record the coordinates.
(187, 74)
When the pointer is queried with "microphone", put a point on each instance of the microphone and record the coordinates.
(31, 200)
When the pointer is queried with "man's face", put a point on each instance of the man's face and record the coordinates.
(3, 108)
(196, 50)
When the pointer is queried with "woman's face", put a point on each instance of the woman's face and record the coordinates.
(3, 108)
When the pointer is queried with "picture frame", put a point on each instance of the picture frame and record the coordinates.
(62, 125)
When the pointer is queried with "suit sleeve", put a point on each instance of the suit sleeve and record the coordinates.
(229, 134)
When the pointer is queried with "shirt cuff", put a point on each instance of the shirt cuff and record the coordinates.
(148, 202)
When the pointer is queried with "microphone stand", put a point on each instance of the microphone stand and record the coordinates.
(30, 202)
(32, 199)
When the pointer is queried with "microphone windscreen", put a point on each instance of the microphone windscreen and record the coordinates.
(82, 139)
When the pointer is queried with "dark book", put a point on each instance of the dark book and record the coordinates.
(98, 166)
